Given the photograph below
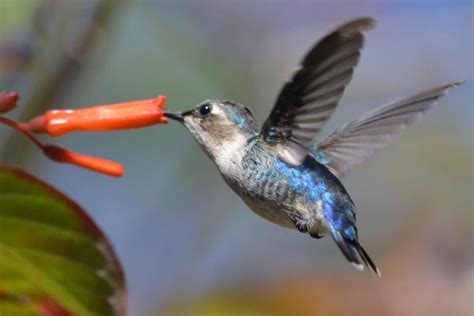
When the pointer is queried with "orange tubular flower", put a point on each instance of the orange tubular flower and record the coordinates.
(8, 101)
(98, 118)
(60, 154)
(101, 118)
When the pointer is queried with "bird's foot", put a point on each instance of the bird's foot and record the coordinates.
(299, 222)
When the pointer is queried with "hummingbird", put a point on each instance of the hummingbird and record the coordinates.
(279, 169)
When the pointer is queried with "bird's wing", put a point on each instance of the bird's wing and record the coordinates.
(307, 101)
(356, 141)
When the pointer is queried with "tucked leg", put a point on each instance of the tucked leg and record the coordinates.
(300, 222)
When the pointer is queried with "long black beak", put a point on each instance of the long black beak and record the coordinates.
(177, 116)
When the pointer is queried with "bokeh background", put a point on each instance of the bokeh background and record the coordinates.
(187, 243)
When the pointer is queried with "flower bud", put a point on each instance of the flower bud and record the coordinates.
(8, 101)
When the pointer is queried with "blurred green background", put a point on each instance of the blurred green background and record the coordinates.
(187, 243)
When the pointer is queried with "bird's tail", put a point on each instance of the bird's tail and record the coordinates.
(354, 252)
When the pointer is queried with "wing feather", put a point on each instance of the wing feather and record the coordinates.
(356, 141)
(307, 101)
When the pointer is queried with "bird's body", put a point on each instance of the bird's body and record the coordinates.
(293, 197)
(278, 169)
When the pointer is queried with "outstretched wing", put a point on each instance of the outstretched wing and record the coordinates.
(355, 141)
(307, 101)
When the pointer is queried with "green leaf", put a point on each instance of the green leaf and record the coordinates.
(52, 251)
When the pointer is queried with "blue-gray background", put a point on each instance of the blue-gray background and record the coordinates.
(187, 243)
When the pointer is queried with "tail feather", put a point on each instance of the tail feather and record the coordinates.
(354, 253)
(367, 260)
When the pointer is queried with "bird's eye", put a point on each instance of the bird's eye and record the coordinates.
(205, 109)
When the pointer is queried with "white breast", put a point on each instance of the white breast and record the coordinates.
(229, 156)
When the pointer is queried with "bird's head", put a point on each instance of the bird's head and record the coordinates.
(218, 125)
